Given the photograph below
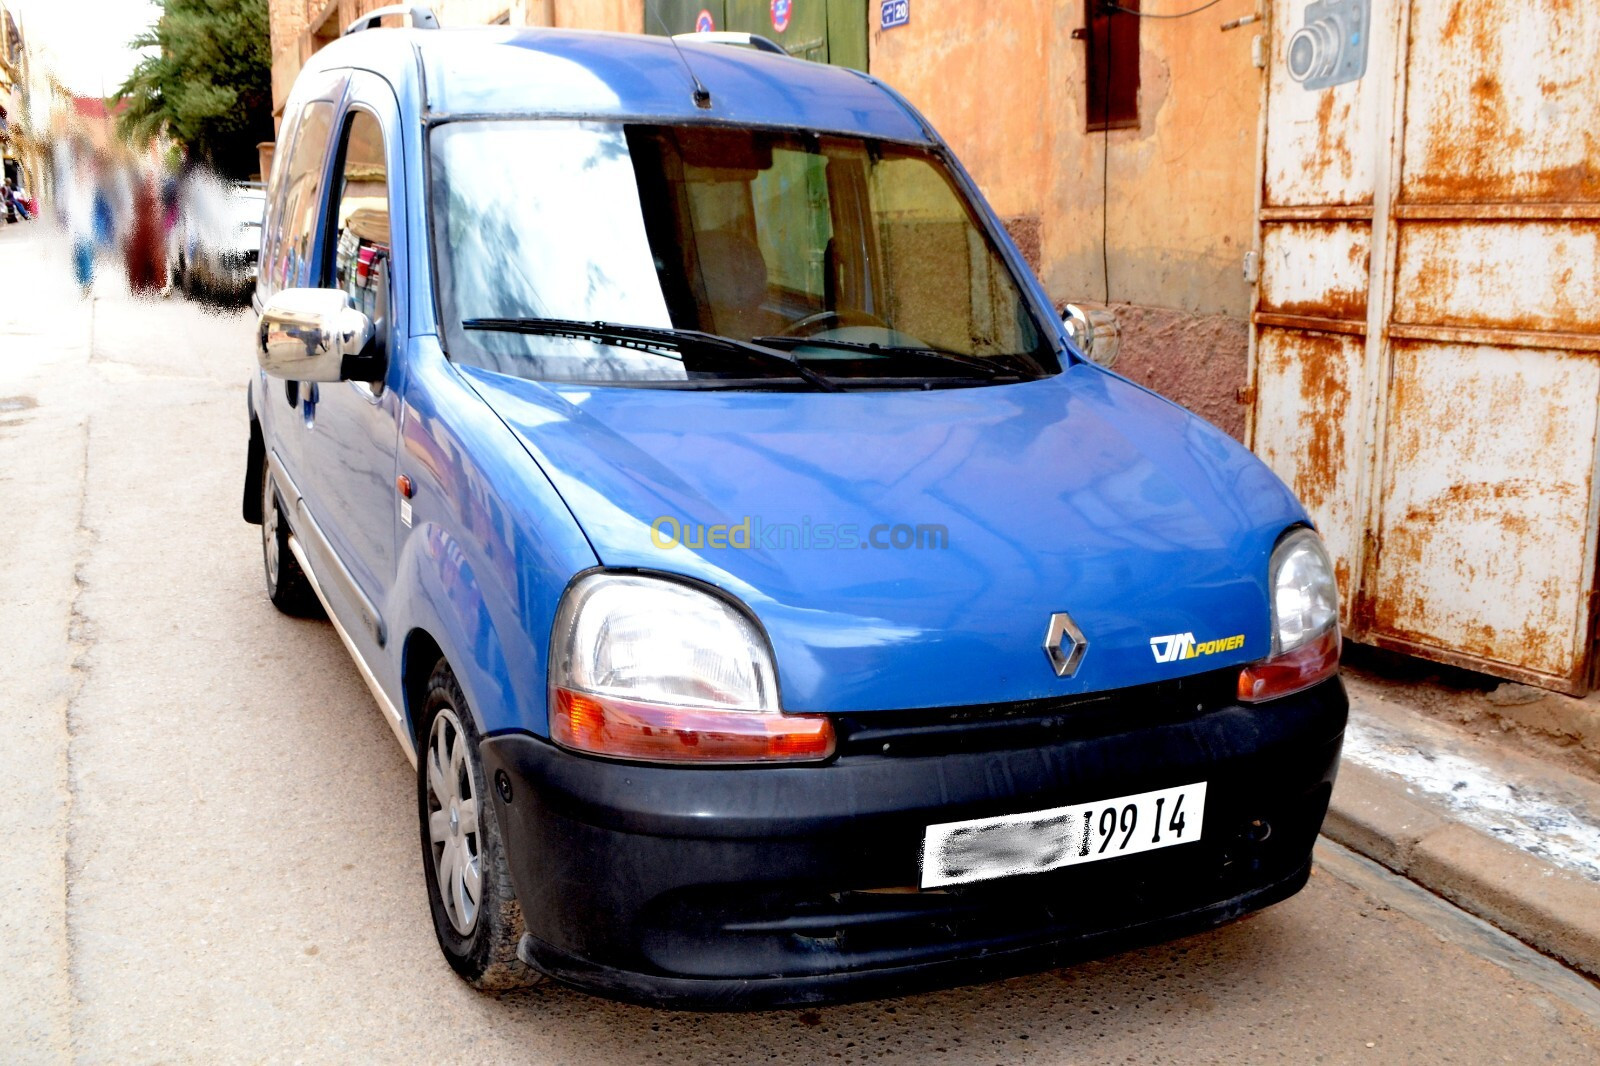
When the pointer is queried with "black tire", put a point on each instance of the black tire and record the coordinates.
(485, 953)
(287, 586)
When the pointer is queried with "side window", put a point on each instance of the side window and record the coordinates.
(360, 251)
(302, 196)
(271, 230)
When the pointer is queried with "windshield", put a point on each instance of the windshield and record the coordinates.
(859, 259)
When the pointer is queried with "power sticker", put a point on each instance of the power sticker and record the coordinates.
(1175, 646)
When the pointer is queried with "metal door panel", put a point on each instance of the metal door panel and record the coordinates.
(1306, 381)
(1319, 144)
(1514, 275)
(1310, 355)
(1502, 102)
(1485, 516)
(1316, 269)
(1450, 466)
(1486, 502)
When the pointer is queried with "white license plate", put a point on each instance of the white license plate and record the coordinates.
(955, 853)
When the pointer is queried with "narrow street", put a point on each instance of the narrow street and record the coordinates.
(212, 851)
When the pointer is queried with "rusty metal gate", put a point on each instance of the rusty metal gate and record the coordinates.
(1425, 355)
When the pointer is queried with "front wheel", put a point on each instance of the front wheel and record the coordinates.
(476, 916)
(287, 586)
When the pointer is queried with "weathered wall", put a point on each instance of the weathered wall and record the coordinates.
(622, 16)
(1198, 360)
(293, 25)
(983, 81)
(1179, 191)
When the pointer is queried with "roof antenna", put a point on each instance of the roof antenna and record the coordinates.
(702, 95)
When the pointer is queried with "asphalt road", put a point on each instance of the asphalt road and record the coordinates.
(210, 852)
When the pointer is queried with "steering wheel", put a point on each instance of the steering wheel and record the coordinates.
(844, 318)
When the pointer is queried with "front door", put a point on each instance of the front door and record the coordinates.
(353, 426)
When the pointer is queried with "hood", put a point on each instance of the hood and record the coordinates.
(908, 549)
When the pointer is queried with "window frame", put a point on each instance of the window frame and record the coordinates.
(1111, 59)
(332, 199)
(325, 276)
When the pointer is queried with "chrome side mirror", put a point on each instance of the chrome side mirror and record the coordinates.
(1095, 332)
(309, 334)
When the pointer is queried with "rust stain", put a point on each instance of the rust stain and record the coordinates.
(1332, 152)
(1471, 275)
(1481, 139)
(1426, 537)
(1324, 397)
(1344, 304)
(1319, 242)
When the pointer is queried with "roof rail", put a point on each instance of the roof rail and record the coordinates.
(422, 18)
(754, 40)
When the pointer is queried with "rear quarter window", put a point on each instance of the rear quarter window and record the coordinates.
(302, 196)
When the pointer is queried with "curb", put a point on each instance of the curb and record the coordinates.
(1378, 815)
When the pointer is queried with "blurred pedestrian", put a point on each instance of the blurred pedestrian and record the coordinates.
(79, 201)
(142, 253)
(104, 221)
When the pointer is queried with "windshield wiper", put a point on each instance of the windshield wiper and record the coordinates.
(653, 338)
(938, 355)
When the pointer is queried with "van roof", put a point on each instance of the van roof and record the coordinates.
(569, 73)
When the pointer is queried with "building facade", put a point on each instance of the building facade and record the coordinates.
(15, 150)
(1151, 210)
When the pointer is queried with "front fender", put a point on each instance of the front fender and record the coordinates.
(438, 594)
(491, 549)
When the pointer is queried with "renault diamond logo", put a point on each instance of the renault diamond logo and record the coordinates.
(1064, 643)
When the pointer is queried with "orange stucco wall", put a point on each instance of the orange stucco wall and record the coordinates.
(1004, 83)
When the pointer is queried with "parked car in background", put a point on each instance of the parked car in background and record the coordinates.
(214, 249)
(775, 604)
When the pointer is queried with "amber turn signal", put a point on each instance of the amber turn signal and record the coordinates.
(1317, 660)
(652, 732)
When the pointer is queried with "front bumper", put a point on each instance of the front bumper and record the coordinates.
(737, 888)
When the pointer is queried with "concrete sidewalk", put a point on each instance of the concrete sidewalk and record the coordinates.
(1503, 834)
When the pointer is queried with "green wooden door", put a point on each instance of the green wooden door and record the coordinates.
(800, 26)
(681, 16)
(847, 33)
(824, 31)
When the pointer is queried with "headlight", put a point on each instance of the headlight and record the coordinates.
(650, 669)
(1305, 620)
(1305, 594)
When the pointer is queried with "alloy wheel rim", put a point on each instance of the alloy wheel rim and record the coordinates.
(269, 532)
(455, 844)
